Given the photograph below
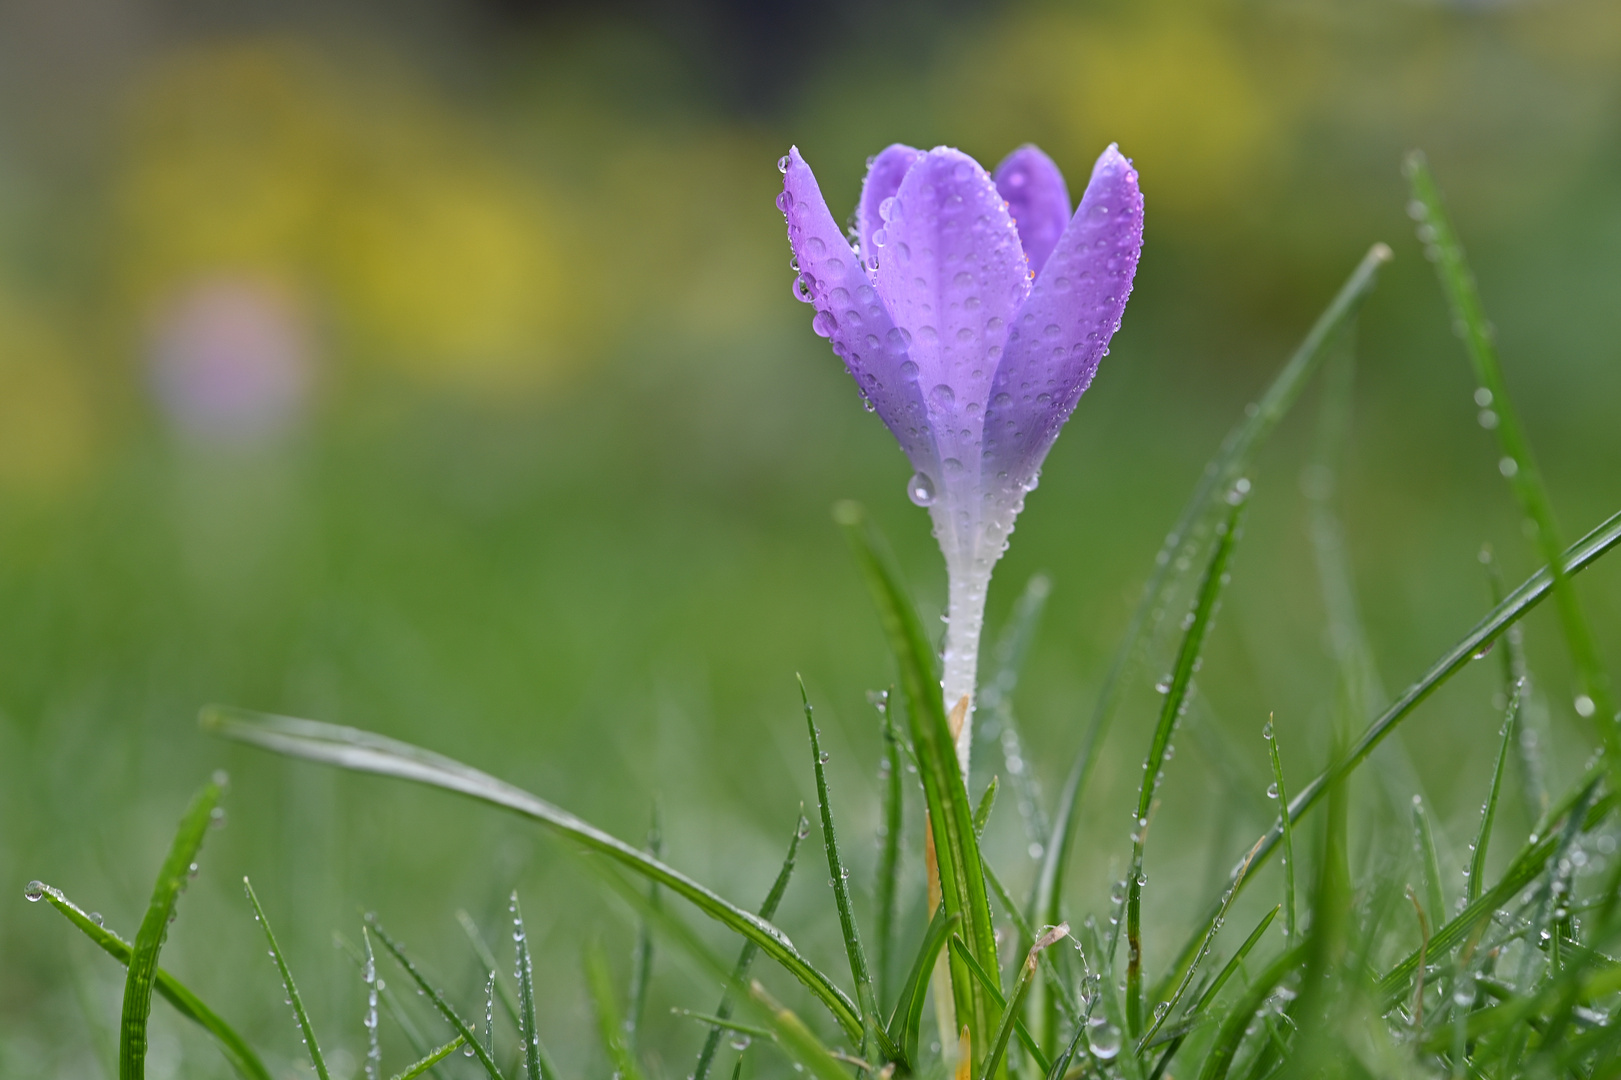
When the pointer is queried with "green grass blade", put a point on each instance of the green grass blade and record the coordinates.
(1230, 462)
(385, 993)
(1488, 812)
(791, 1032)
(186, 1003)
(641, 967)
(432, 1059)
(610, 1026)
(962, 878)
(304, 1028)
(1518, 466)
(907, 1019)
(363, 751)
(1515, 606)
(1286, 827)
(982, 812)
(1161, 1012)
(753, 1031)
(439, 1000)
(1015, 1003)
(889, 858)
(537, 1063)
(839, 878)
(1517, 681)
(1429, 861)
(1055, 980)
(1228, 969)
(486, 959)
(1176, 696)
(143, 959)
(1010, 1016)
(1219, 1059)
(745, 959)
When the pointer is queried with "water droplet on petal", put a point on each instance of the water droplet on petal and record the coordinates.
(920, 489)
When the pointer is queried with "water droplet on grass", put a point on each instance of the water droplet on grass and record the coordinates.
(34, 891)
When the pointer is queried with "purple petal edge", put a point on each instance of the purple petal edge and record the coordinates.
(884, 175)
(1065, 327)
(1037, 198)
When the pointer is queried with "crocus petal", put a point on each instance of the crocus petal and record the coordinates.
(884, 175)
(848, 311)
(1037, 199)
(952, 275)
(1064, 328)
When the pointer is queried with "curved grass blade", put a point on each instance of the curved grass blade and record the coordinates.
(907, 1018)
(431, 1060)
(1161, 1012)
(1534, 590)
(537, 1063)
(445, 1008)
(1176, 696)
(792, 1035)
(962, 877)
(186, 1003)
(839, 877)
(363, 751)
(982, 812)
(1054, 979)
(1517, 466)
(1430, 862)
(1017, 1025)
(1015, 1002)
(293, 997)
(1232, 1030)
(889, 859)
(486, 959)
(1230, 462)
(1286, 826)
(143, 960)
(1477, 857)
(745, 959)
(610, 1027)
(641, 967)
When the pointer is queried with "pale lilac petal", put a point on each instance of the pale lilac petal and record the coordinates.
(884, 176)
(849, 313)
(952, 275)
(1064, 328)
(1037, 199)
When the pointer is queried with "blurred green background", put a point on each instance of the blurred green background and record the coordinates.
(432, 367)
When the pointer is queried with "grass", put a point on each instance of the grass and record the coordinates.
(1517, 978)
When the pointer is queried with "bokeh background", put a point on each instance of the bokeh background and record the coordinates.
(432, 367)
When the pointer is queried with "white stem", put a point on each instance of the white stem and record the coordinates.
(965, 619)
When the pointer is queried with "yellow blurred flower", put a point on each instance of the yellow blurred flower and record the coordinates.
(47, 417)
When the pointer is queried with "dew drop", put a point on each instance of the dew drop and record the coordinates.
(920, 489)
(34, 891)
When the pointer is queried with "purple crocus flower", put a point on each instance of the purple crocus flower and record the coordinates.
(972, 310)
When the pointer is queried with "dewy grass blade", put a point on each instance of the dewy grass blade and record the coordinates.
(889, 858)
(1488, 812)
(791, 1033)
(143, 961)
(641, 967)
(1055, 979)
(745, 959)
(1220, 1057)
(753, 1031)
(1015, 1002)
(1286, 827)
(363, 751)
(1596, 701)
(1016, 1025)
(982, 812)
(610, 1027)
(431, 1060)
(486, 959)
(537, 1063)
(1176, 692)
(1230, 462)
(385, 993)
(962, 878)
(839, 878)
(907, 1019)
(1429, 861)
(1578, 557)
(305, 1031)
(445, 1008)
(186, 1003)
